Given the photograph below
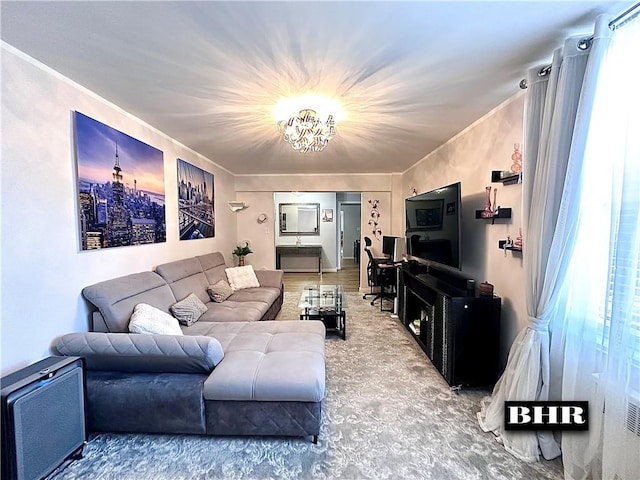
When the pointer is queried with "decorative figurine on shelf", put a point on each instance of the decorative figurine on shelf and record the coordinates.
(298, 241)
(507, 244)
(518, 241)
(488, 212)
(516, 156)
(486, 289)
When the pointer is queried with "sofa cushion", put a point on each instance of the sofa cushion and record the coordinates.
(267, 295)
(185, 277)
(126, 352)
(242, 277)
(116, 298)
(149, 320)
(220, 291)
(230, 311)
(188, 310)
(269, 361)
(213, 266)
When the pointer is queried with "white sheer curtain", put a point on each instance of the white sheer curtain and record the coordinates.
(597, 337)
(557, 112)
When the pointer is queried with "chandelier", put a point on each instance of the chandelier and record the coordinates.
(305, 132)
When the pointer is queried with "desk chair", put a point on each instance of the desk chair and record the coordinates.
(380, 274)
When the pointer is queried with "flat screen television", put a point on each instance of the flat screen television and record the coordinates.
(433, 226)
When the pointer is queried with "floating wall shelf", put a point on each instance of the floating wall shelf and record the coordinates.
(507, 178)
(501, 246)
(502, 213)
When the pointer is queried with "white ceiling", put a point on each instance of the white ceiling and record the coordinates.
(409, 75)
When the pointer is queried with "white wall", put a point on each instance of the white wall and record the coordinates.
(43, 271)
(259, 235)
(470, 157)
(384, 224)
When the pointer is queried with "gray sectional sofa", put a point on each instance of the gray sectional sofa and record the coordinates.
(228, 374)
(113, 301)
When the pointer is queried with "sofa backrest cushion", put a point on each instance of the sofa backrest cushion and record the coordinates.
(131, 352)
(213, 267)
(185, 277)
(116, 298)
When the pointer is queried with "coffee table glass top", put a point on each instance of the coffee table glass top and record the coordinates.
(325, 297)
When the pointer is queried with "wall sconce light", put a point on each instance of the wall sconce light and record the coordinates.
(237, 206)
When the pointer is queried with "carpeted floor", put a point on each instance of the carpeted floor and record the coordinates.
(388, 414)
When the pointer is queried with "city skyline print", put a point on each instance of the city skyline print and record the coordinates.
(120, 187)
(196, 216)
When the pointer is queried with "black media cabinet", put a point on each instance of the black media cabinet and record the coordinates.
(458, 330)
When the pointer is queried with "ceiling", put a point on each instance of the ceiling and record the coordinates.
(208, 74)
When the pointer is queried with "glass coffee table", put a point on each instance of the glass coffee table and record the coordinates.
(326, 303)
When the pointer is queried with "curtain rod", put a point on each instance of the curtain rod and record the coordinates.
(585, 43)
(622, 18)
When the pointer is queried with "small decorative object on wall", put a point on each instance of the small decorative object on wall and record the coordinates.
(516, 157)
(414, 192)
(375, 216)
(327, 214)
(262, 218)
(196, 217)
(241, 251)
(236, 206)
(120, 187)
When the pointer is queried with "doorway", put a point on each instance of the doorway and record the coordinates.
(349, 215)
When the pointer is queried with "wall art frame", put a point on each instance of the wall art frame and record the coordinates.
(196, 212)
(120, 181)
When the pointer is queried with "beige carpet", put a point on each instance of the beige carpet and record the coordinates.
(388, 414)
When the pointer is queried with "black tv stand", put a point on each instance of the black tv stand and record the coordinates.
(457, 329)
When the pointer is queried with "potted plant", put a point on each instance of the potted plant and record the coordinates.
(241, 251)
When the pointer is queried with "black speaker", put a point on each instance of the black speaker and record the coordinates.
(43, 417)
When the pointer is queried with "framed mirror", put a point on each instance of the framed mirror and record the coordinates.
(299, 218)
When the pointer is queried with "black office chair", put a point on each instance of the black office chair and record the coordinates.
(367, 248)
(377, 277)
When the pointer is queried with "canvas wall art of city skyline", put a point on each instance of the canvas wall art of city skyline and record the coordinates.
(120, 187)
(196, 217)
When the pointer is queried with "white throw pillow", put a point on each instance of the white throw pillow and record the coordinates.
(148, 319)
(242, 277)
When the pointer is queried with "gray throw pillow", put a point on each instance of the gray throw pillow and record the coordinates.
(219, 291)
(189, 310)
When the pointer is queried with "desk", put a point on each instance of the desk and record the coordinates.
(299, 251)
(390, 270)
